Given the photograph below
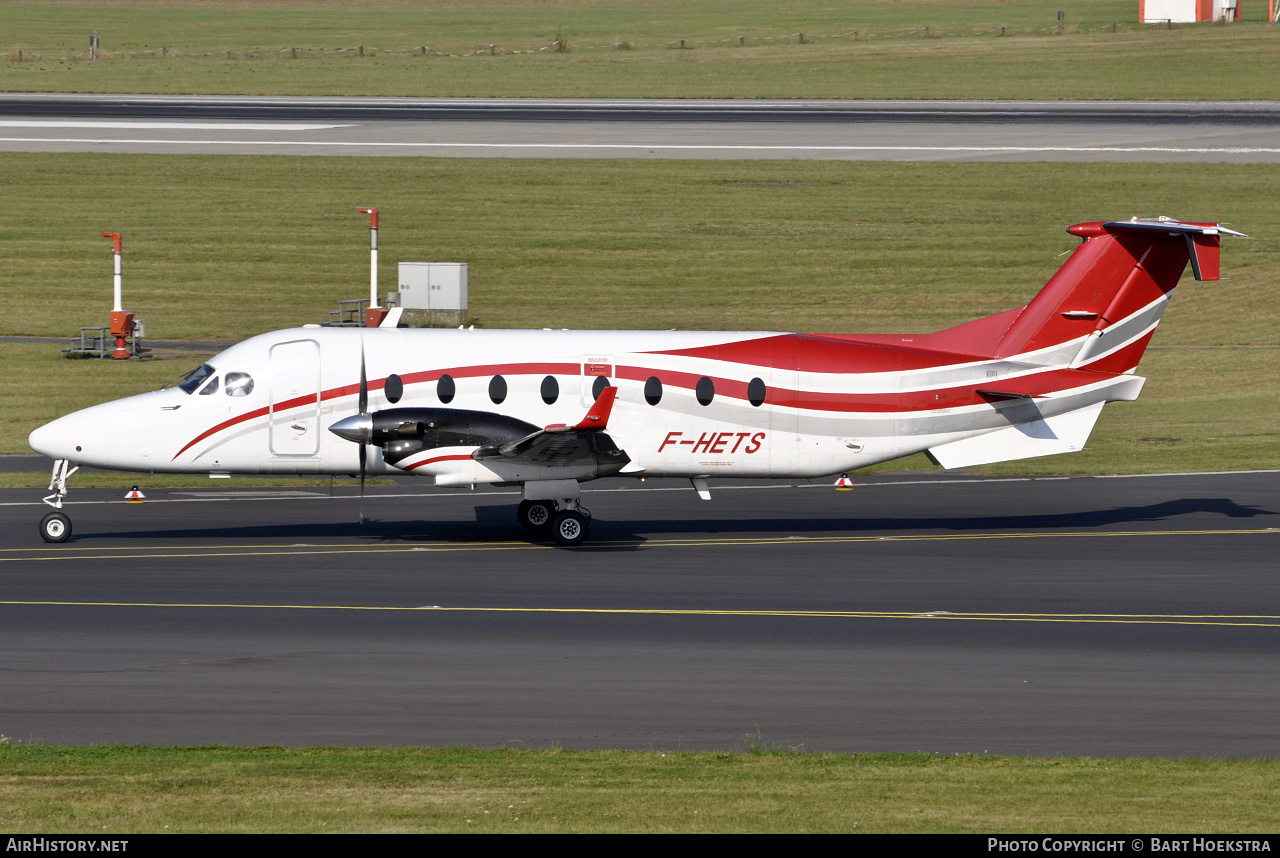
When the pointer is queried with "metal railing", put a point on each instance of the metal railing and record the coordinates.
(97, 342)
(350, 314)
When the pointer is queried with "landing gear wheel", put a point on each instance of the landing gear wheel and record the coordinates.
(569, 528)
(535, 516)
(55, 527)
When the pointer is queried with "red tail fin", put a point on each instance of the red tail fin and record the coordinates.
(1121, 269)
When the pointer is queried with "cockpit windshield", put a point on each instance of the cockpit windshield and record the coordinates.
(192, 380)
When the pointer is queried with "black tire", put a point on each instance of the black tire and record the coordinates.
(535, 516)
(569, 528)
(55, 527)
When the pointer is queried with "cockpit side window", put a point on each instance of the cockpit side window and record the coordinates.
(239, 384)
(210, 388)
(192, 381)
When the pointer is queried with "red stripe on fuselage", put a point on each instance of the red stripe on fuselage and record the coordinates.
(824, 354)
(490, 369)
(1123, 359)
(380, 383)
(226, 424)
(262, 412)
(454, 458)
(947, 396)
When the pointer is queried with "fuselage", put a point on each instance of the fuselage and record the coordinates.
(734, 404)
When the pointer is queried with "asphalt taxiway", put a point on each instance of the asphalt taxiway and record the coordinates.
(644, 128)
(1134, 616)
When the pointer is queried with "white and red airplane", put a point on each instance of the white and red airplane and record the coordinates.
(548, 410)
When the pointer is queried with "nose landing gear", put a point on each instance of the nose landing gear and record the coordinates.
(56, 527)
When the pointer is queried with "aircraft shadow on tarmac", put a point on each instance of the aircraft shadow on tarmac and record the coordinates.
(495, 523)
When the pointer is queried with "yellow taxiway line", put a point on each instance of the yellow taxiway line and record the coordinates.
(1234, 620)
(99, 552)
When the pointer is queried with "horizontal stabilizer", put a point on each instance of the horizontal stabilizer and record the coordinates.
(1065, 433)
(1003, 394)
(1202, 240)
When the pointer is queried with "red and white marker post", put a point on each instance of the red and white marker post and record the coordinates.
(375, 314)
(121, 322)
(844, 484)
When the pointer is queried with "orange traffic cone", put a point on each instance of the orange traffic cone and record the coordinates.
(134, 496)
(844, 484)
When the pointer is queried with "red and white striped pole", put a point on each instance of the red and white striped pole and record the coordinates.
(121, 322)
(375, 313)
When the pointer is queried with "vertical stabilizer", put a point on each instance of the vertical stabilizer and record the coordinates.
(1111, 292)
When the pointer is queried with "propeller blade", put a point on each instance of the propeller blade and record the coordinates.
(363, 454)
(358, 428)
(364, 385)
(364, 410)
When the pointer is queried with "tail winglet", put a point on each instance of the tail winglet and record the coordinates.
(1203, 240)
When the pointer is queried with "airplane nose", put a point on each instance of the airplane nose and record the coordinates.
(52, 440)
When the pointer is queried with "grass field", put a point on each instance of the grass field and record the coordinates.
(615, 48)
(110, 791)
(225, 247)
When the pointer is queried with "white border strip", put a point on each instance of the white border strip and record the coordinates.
(185, 126)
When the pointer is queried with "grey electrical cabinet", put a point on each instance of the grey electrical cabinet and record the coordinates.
(433, 294)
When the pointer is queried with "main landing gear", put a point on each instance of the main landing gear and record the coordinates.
(564, 520)
(56, 527)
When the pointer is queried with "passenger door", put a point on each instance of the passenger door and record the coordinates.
(295, 399)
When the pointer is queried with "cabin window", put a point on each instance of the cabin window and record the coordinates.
(192, 381)
(550, 390)
(705, 391)
(756, 392)
(653, 390)
(393, 388)
(598, 386)
(238, 384)
(210, 388)
(446, 389)
(497, 389)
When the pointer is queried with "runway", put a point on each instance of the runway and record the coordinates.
(1242, 132)
(1130, 616)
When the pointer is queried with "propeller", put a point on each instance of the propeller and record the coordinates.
(358, 428)
(363, 407)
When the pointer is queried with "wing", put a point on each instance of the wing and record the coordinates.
(564, 445)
